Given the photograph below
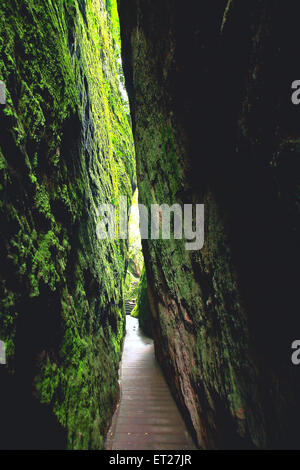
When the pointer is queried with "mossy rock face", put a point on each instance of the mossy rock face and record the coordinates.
(142, 309)
(211, 116)
(66, 147)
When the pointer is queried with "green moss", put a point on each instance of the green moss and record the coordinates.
(142, 309)
(226, 12)
(66, 147)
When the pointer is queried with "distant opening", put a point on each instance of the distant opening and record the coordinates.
(135, 258)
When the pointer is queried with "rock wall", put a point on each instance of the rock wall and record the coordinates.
(66, 147)
(142, 309)
(210, 87)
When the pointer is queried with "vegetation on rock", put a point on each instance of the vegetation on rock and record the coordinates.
(142, 309)
(66, 147)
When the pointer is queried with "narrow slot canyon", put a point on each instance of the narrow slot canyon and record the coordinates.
(147, 417)
(149, 225)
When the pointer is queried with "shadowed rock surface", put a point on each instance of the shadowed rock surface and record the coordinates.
(210, 87)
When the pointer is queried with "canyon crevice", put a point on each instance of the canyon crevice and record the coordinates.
(210, 122)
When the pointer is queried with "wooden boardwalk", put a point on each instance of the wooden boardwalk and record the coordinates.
(147, 417)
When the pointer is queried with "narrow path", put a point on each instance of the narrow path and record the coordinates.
(147, 417)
